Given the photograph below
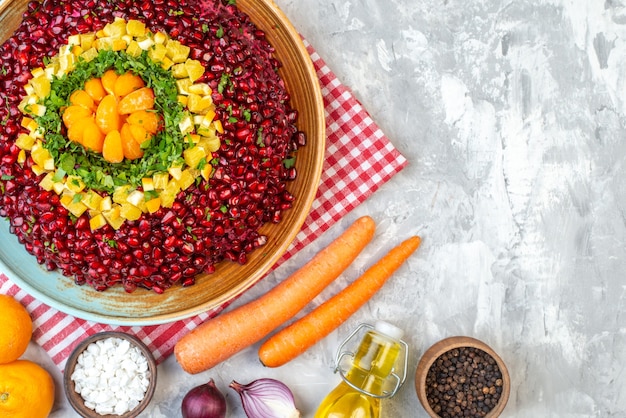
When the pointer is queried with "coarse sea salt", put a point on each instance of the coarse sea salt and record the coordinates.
(112, 376)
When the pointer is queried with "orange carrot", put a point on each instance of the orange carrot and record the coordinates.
(221, 337)
(295, 339)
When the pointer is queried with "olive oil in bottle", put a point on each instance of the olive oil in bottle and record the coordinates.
(359, 394)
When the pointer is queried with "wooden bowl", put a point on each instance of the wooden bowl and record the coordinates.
(446, 345)
(211, 291)
(76, 399)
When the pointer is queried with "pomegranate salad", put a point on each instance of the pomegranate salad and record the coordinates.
(142, 143)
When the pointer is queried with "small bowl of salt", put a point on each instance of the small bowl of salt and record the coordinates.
(110, 374)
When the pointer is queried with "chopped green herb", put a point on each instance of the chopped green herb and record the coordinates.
(289, 162)
(224, 82)
(223, 208)
(6, 177)
(247, 115)
(220, 32)
(259, 137)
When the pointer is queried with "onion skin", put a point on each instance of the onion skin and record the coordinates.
(204, 401)
(266, 398)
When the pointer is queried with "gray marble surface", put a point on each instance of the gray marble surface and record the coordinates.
(511, 114)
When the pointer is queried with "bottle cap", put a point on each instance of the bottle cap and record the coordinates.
(389, 330)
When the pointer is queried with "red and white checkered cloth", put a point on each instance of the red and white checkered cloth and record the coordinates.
(359, 159)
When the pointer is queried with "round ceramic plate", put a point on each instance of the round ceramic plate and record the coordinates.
(115, 306)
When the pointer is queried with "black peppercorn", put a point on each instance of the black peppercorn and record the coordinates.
(463, 382)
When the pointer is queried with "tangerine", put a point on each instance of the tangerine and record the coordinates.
(149, 120)
(94, 88)
(108, 80)
(107, 117)
(82, 98)
(73, 113)
(112, 150)
(127, 83)
(141, 99)
(16, 329)
(132, 149)
(26, 390)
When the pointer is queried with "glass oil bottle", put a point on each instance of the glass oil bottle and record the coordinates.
(372, 375)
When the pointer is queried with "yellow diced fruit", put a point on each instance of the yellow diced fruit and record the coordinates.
(41, 85)
(47, 183)
(120, 194)
(135, 198)
(75, 184)
(66, 63)
(37, 72)
(145, 42)
(176, 51)
(135, 28)
(113, 217)
(218, 126)
(97, 222)
(119, 44)
(147, 183)
(116, 29)
(168, 195)
(87, 40)
(37, 169)
(29, 124)
(160, 38)
(134, 50)
(75, 208)
(106, 203)
(193, 156)
(37, 109)
(195, 70)
(210, 144)
(193, 138)
(73, 40)
(153, 205)
(58, 187)
(92, 200)
(183, 85)
(187, 178)
(199, 104)
(202, 89)
(166, 63)
(157, 53)
(39, 154)
(206, 131)
(206, 171)
(160, 180)
(175, 171)
(179, 70)
(182, 99)
(186, 125)
(77, 50)
(89, 54)
(21, 157)
(130, 212)
(25, 141)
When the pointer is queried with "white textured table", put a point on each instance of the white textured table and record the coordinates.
(512, 116)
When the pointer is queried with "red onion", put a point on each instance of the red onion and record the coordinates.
(266, 398)
(204, 401)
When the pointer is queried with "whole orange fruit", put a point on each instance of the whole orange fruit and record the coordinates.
(16, 329)
(26, 390)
